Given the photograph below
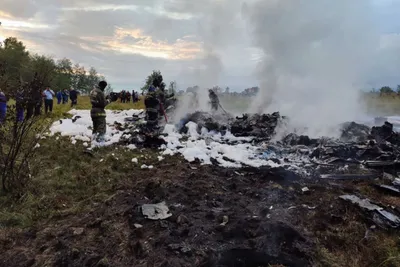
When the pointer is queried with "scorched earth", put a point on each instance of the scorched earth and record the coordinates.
(216, 191)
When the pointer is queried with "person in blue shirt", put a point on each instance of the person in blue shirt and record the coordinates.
(3, 107)
(48, 99)
(59, 97)
(65, 96)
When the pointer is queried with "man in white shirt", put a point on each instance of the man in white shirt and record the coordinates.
(48, 99)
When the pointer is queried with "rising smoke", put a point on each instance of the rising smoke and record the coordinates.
(217, 29)
(316, 54)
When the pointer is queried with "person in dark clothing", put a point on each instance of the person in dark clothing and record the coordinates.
(19, 104)
(73, 95)
(35, 104)
(214, 101)
(98, 113)
(152, 104)
(123, 96)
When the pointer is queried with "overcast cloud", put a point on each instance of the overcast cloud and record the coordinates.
(203, 42)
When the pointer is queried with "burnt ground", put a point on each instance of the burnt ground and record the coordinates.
(271, 222)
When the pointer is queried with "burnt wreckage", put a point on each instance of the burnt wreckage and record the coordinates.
(361, 152)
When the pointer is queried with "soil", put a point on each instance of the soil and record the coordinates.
(269, 221)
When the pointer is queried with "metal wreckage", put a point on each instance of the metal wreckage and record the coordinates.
(361, 153)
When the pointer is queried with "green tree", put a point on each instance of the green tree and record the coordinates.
(108, 89)
(18, 66)
(386, 90)
(79, 78)
(156, 79)
(64, 74)
(45, 69)
(14, 59)
(92, 79)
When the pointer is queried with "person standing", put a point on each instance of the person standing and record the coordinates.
(65, 96)
(152, 104)
(19, 105)
(48, 100)
(73, 95)
(3, 107)
(59, 97)
(214, 100)
(98, 113)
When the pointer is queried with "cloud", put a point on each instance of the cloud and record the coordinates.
(194, 42)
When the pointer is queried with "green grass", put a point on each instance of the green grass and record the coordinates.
(84, 103)
(68, 181)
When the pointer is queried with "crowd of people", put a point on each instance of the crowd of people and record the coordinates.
(126, 96)
(34, 104)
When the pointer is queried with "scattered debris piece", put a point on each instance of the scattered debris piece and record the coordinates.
(380, 216)
(348, 176)
(387, 188)
(135, 160)
(137, 225)
(77, 231)
(225, 220)
(305, 190)
(158, 211)
(144, 166)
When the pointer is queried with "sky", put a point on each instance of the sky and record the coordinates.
(204, 42)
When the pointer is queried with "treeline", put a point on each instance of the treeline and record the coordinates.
(18, 67)
(387, 90)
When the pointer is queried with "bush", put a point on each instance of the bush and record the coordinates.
(19, 137)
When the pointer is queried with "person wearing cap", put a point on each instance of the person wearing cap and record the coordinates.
(152, 104)
(98, 113)
(214, 101)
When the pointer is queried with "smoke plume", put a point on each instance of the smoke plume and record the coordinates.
(316, 55)
(217, 31)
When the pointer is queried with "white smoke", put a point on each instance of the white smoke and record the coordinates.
(217, 30)
(316, 54)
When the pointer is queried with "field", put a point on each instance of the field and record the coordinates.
(82, 210)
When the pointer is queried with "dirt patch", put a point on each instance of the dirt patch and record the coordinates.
(221, 217)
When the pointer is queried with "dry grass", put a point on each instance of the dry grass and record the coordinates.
(69, 181)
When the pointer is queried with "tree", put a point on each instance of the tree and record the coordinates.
(156, 79)
(14, 59)
(64, 74)
(217, 89)
(79, 78)
(172, 87)
(386, 90)
(92, 79)
(227, 90)
(45, 68)
(108, 89)
(17, 65)
(398, 89)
